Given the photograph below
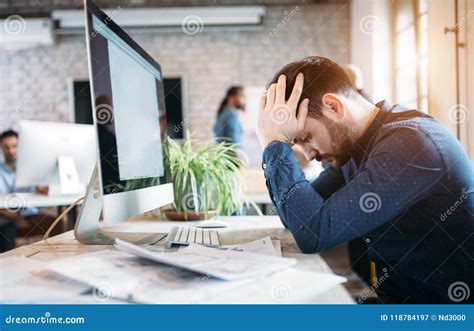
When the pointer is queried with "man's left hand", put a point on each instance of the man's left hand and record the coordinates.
(277, 120)
(42, 190)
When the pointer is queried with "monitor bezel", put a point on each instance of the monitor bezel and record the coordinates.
(120, 205)
(91, 8)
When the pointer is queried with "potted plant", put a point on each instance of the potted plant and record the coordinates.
(206, 179)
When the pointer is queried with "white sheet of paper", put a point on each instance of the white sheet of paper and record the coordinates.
(265, 246)
(124, 276)
(277, 246)
(114, 273)
(279, 288)
(24, 282)
(222, 264)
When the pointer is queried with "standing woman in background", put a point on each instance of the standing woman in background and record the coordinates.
(227, 127)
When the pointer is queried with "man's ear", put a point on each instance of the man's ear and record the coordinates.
(334, 105)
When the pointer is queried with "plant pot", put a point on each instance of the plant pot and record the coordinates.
(204, 196)
(188, 216)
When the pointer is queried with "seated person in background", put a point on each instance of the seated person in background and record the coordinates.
(227, 127)
(27, 221)
(397, 178)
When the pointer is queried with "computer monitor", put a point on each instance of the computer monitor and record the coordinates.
(59, 155)
(130, 119)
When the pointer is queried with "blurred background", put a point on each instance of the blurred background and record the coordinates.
(415, 52)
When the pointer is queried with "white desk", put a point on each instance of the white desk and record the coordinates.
(27, 200)
(241, 229)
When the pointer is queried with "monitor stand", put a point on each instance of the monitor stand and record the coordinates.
(67, 182)
(88, 229)
(68, 177)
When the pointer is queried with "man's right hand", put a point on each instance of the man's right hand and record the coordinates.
(277, 119)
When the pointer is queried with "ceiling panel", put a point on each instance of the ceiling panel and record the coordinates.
(35, 8)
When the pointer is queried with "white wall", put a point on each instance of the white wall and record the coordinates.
(371, 45)
(442, 68)
(467, 82)
(442, 72)
(372, 50)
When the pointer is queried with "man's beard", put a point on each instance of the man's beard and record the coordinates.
(341, 143)
(11, 162)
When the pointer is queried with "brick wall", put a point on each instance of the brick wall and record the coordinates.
(34, 82)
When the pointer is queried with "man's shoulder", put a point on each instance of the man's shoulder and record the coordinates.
(420, 135)
(419, 128)
(4, 167)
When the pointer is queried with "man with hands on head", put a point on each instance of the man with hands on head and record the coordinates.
(392, 174)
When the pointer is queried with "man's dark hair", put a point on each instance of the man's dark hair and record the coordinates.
(8, 133)
(321, 76)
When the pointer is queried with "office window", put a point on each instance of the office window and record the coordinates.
(411, 53)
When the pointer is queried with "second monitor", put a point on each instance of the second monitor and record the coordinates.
(58, 155)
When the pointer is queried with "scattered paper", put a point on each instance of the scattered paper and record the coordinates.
(116, 274)
(264, 246)
(277, 246)
(222, 264)
(196, 274)
(289, 286)
(120, 275)
(23, 281)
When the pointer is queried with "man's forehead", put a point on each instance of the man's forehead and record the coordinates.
(9, 140)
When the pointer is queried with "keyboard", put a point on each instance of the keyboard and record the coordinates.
(185, 235)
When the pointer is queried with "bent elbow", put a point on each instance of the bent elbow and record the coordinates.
(308, 246)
